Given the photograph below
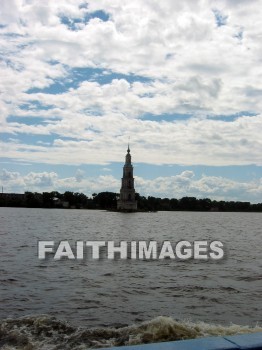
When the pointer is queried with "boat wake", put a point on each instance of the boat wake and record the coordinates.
(44, 332)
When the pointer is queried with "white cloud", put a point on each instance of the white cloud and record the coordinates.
(8, 176)
(40, 180)
(207, 186)
(193, 67)
(137, 39)
(79, 176)
(100, 140)
(176, 186)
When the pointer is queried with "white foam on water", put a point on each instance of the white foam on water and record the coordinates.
(48, 333)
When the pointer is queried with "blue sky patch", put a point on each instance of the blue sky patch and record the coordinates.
(221, 19)
(73, 23)
(34, 105)
(232, 117)
(31, 120)
(76, 76)
(239, 35)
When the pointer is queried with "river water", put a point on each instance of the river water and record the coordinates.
(50, 303)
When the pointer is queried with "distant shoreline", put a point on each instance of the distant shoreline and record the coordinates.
(108, 201)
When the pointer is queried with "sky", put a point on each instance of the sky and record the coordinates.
(181, 79)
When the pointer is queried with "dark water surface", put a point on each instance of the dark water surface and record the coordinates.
(97, 293)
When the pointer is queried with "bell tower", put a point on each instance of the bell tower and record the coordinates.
(127, 201)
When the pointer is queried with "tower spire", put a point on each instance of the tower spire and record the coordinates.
(127, 200)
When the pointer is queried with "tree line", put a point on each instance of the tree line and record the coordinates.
(108, 200)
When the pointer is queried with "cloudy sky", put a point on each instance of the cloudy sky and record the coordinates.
(182, 79)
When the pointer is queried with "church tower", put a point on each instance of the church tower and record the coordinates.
(127, 201)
